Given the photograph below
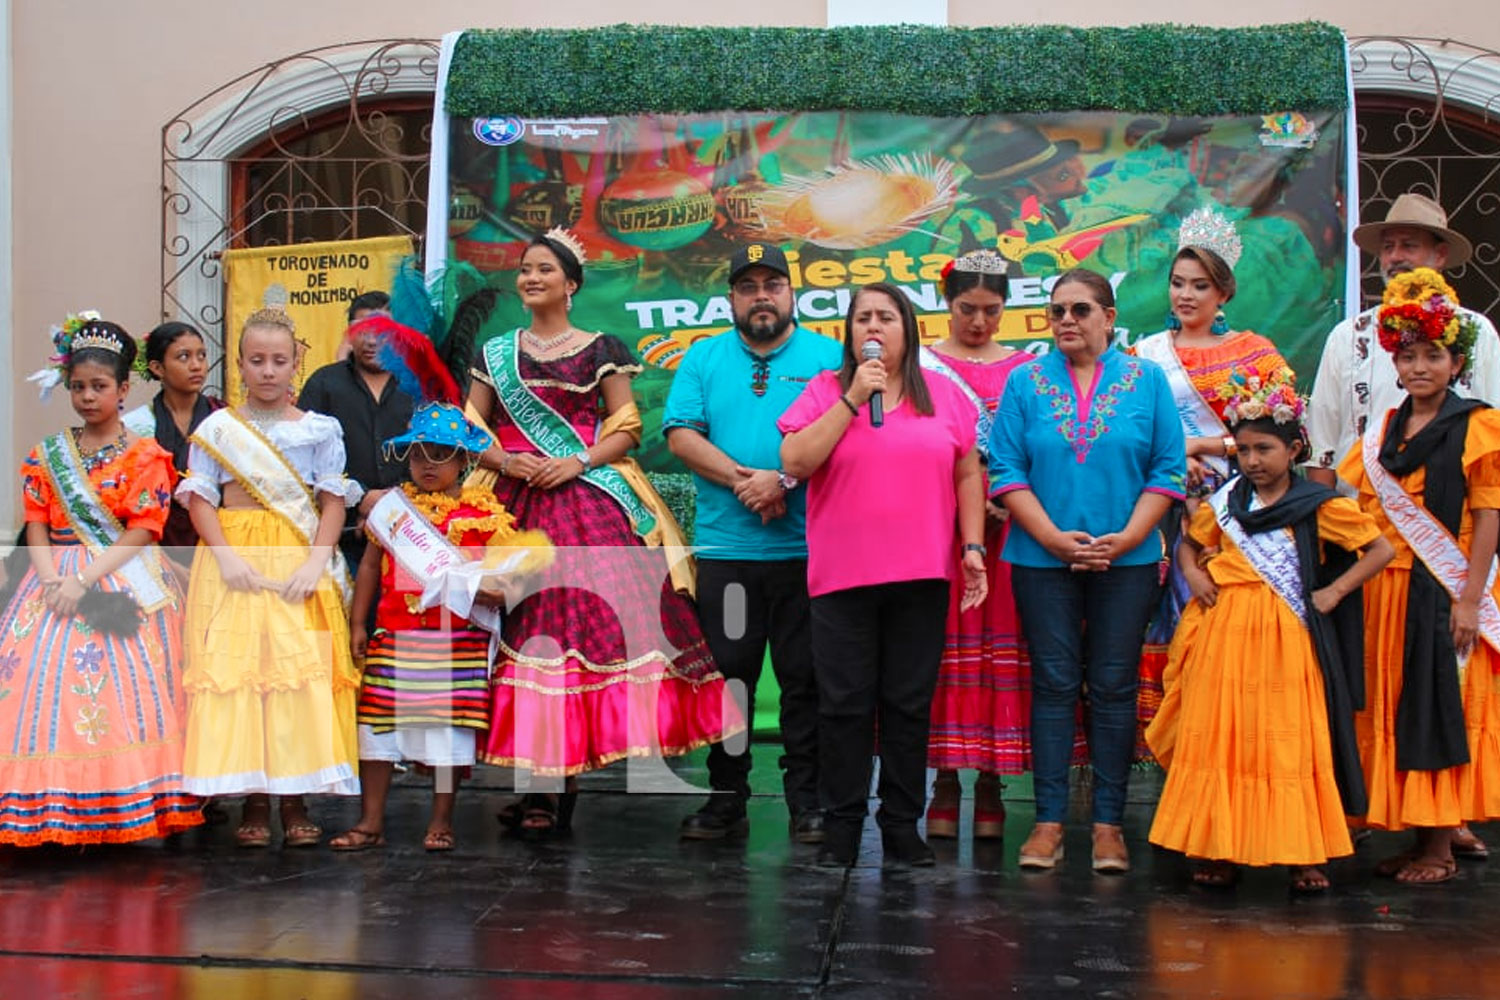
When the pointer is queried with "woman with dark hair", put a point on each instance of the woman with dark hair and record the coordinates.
(606, 661)
(882, 504)
(91, 642)
(177, 357)
(1087, 455)
(1199, 352)
(981, 708)
(1257, 729)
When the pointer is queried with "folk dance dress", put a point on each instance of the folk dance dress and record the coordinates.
(1196, 375)
(606, 661)
(1247, 731)
(91, 724)
(425, 694)
(1465, 720)
(271, 685)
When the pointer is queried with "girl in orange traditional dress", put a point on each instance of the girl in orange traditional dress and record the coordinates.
(90, 648)
(1256, 729)
(1429, 736)
(1199, 352)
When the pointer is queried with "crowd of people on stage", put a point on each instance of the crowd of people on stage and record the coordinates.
(962, 557)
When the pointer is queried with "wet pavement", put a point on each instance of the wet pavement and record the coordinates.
(622, 909)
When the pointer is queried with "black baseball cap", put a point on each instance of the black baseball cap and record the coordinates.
(757, 255)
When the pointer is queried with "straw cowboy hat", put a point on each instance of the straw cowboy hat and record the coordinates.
(1415, 211)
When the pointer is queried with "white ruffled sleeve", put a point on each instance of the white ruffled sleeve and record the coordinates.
(328, 463)
(204, 475)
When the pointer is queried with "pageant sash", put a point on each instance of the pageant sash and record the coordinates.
(267, 476)
(1272, 554)
(140, 421)
(549, 433)
(1198, 418)
(1432, 543)
(931, 361)
(97, 527)
(425, 554)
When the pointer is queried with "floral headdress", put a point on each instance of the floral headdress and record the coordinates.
(1420, 306)
(80, 331)
(1248, 397)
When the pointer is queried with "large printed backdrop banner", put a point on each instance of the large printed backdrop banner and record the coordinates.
(314, 283)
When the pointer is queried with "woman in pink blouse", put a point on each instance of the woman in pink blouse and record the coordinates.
(885, 504)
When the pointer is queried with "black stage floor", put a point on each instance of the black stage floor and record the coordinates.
(622, 909)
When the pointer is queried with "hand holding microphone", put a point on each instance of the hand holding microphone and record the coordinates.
(873, 350)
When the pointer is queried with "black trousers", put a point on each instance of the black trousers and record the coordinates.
(742, 605)
(876, 652)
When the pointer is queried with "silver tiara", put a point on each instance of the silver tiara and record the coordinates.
(982, 262)
(1211, 230)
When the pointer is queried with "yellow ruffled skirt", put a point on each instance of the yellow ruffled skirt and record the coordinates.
(1243, 732)
(271, 686)
(1466, 794)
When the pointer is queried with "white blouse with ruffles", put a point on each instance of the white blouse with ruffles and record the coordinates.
(313, 445)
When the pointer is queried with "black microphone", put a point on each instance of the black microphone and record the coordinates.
(872, 351)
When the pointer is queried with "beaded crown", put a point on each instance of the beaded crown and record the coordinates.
(982, 262)
(575, 246)
(1212, 230)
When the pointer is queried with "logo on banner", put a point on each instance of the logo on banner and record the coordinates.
(1290, 129)
(499, 131)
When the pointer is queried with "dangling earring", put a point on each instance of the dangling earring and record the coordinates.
(1221, 325)
(1400, 384)
(1173, 323)
(570, 302)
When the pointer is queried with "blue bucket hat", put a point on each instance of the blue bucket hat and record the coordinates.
(441, 424)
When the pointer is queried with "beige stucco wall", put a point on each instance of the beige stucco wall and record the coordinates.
(95, 80)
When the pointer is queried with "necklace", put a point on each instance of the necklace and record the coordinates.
(101, 456)
(549, 343)
(263, 420)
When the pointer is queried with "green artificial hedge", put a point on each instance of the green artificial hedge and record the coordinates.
(1162, 69)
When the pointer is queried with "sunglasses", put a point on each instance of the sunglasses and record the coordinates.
(1081, 310)
(435, 454)
(760, 376)
(771, 286)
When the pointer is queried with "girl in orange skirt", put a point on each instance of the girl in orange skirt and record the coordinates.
(1256, 728)
(1429, 736)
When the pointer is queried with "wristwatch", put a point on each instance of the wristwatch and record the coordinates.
(788, 483)
(584, 460)
(974, 547)
(1229, 446)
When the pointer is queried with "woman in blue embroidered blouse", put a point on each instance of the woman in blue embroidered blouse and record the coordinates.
(1087, 453)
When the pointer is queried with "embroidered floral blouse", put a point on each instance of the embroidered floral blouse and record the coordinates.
(134, 486)
(1087, 452)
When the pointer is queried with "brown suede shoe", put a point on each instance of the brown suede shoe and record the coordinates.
(1044, 848)
(1110, 855)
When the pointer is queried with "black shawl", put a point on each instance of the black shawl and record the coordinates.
(1339, 638)
(1430, 731)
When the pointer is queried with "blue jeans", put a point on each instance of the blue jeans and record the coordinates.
(1084, 627)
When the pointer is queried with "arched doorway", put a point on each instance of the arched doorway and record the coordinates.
(332, 143)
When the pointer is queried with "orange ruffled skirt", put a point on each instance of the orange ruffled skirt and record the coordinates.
(1466, 794)
(1243, 733)
(271, 686)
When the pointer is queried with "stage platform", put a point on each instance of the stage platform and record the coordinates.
(621, 909)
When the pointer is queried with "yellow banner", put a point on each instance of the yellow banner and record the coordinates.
(314, 283)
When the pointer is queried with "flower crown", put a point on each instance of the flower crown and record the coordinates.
(77, 333)
(1420, 306)
(1211, 230)
(1248, 397)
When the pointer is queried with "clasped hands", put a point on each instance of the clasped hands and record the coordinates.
(239, 575)
(1085, 553)
(542, 471)
(760, 490)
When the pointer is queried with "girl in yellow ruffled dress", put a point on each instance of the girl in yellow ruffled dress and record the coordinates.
(1429, 736)
(1256, 727)
(270, 680)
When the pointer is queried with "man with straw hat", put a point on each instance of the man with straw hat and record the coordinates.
(1356, 379)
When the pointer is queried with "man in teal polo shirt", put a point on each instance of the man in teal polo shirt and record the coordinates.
(720, 420)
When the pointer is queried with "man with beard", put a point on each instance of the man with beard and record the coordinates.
(1356, 380)
(365, 399)
(720, 420)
